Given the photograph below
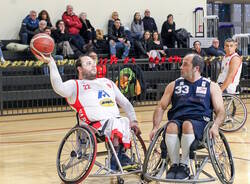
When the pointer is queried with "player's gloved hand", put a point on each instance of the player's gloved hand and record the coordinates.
(152, 133)
(43, 58)
(135, 128)
(214, 131)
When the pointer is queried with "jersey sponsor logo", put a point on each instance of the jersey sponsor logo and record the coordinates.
(107, 102)
(102, 94)
(207, 119)
(201, 90)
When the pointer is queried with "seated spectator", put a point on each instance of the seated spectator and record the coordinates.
(73, 25)
(93, 55)
(42, 26)
(168, 34)
(44, 15)
(156, 47)
(62, 40)
(87, 31)
(137, 28)
(56, 57)
(214, 49)
(197, 49)
(149, 22)
(1, 56)
(29, 24)
(117, 39)
(141, 47)
(114, 16)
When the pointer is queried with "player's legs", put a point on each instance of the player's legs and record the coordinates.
(187, 139)
(173, 146)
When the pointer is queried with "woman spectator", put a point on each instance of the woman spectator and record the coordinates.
(137, 28)
(62, 40)
(197, 49)
(44, 15)
(156, 50)
(156, 47)
(168, 34)
(141, 47)
(113, 18)
(87, 31)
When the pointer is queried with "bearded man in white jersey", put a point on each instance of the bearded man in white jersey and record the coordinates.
(231, 67)
(95, 100)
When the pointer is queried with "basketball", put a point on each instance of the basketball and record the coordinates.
(42, 44)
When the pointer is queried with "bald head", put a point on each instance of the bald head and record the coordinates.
(216, 43)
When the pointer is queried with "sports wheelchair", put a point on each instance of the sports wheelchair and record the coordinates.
(157, 161)
(236, 113)
(78, 151)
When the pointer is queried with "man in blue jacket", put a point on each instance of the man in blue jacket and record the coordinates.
(29, 24)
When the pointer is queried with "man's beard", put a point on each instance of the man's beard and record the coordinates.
(89, 76)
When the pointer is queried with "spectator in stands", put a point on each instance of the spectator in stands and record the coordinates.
(156, 47)
(93, 55)
(141, 47)
(42, 26)
(114, 16)
(197, 49)
(1, 56)
(44, 15)
(117, 39)
(87, 31)
(56, 57)
(74, 25)
(29, 24)
(137, 28)
(214, 49)
(149, 22)
(62, 40)
(168, 34)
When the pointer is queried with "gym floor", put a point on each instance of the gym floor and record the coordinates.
(29, 143)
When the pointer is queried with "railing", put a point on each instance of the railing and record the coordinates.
(26, 90)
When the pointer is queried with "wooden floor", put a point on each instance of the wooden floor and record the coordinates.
(29, 143)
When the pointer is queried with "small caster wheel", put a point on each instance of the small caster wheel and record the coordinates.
(120, 181)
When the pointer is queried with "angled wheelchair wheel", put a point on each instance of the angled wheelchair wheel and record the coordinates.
(236, 113)
(153, 162)
(76, 155)
(221, 158)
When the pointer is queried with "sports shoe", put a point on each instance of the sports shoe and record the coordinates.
(183, 172)
(172, 171)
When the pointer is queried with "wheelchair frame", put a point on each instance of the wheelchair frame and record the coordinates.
(94, 136)
(197, 162)
(229, 102)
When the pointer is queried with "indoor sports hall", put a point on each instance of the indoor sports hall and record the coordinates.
(136, 50)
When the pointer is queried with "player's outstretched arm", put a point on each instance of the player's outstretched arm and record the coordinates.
(217, 101)
(64, 89)
(161, 107)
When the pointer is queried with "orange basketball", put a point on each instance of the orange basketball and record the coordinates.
(42, 44)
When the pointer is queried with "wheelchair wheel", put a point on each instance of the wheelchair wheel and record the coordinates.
(76, 155)
(236, 113)
(140, 146)
(153, 160)
(221, 158)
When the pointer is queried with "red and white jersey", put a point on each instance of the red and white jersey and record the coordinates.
(224, 72)
(96, 99)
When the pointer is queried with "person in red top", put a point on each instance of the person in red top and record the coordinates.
(73, 24)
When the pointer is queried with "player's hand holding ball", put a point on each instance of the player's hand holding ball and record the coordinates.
(42, 45)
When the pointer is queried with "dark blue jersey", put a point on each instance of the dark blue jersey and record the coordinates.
(191, 100)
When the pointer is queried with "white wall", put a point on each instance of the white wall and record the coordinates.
(99, 11)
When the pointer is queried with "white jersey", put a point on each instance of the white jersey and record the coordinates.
(95, 99)
(224, 72)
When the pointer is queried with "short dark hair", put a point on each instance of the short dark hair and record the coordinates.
(78, 62)
(170, 15)
(229, 40)
(196, 42)
(198, 61)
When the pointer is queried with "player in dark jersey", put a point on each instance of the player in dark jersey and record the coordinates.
(193, 99)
